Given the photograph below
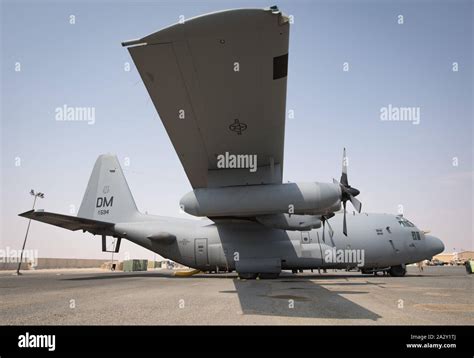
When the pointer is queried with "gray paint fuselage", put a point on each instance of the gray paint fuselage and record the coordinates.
(383, 241)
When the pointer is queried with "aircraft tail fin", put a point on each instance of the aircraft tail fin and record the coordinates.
(108, 197)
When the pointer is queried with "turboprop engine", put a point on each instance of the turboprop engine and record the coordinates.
(274, 205)
(255, 200)
(290, 222)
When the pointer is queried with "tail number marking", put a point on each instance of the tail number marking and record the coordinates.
(103, 202)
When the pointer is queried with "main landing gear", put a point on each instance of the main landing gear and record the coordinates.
(394, 271)
(397, 271)
(253, 276)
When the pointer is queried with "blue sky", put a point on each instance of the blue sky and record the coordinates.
(392, 163)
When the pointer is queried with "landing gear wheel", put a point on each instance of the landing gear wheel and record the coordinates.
(248, 276)
(397, 271)
(268, 276)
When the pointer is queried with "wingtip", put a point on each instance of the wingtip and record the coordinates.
(28, 214)
(133, 42)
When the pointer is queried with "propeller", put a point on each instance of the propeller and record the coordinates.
(324, 219)
(348, 193)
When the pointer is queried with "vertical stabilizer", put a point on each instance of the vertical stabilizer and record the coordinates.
(108, 197)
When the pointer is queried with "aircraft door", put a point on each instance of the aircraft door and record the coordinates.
(200, 252)
(320, 244)
(310, 247)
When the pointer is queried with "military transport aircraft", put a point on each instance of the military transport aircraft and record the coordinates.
(218, 82)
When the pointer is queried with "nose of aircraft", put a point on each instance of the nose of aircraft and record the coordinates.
(435, 245)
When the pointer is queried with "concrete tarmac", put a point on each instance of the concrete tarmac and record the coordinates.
(438, 295)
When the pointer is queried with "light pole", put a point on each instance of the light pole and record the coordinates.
(113, 249)
(35, 195)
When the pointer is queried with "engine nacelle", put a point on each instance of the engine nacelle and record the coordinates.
(254, 200)
(290, 222)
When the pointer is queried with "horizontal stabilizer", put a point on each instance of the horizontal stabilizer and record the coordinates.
(70, 222)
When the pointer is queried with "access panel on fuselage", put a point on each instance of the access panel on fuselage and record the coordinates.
(200, 251)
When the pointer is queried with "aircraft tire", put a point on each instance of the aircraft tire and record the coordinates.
(248, 276)
(268, 276)
(397, 271)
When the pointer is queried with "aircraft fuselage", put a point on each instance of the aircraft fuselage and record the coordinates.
(374, 241)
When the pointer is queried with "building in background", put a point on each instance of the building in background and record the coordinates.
(454, 258)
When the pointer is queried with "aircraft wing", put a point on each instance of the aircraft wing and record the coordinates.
(218, 82)
(70, 222)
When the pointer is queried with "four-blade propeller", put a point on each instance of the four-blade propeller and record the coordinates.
(347, 192)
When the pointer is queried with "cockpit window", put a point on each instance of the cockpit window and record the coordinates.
(404, 222)
(410, 224)
(415, 235)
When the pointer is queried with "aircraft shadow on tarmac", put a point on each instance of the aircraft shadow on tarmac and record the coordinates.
(289, 296)
(300, 297)
(115, 275)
